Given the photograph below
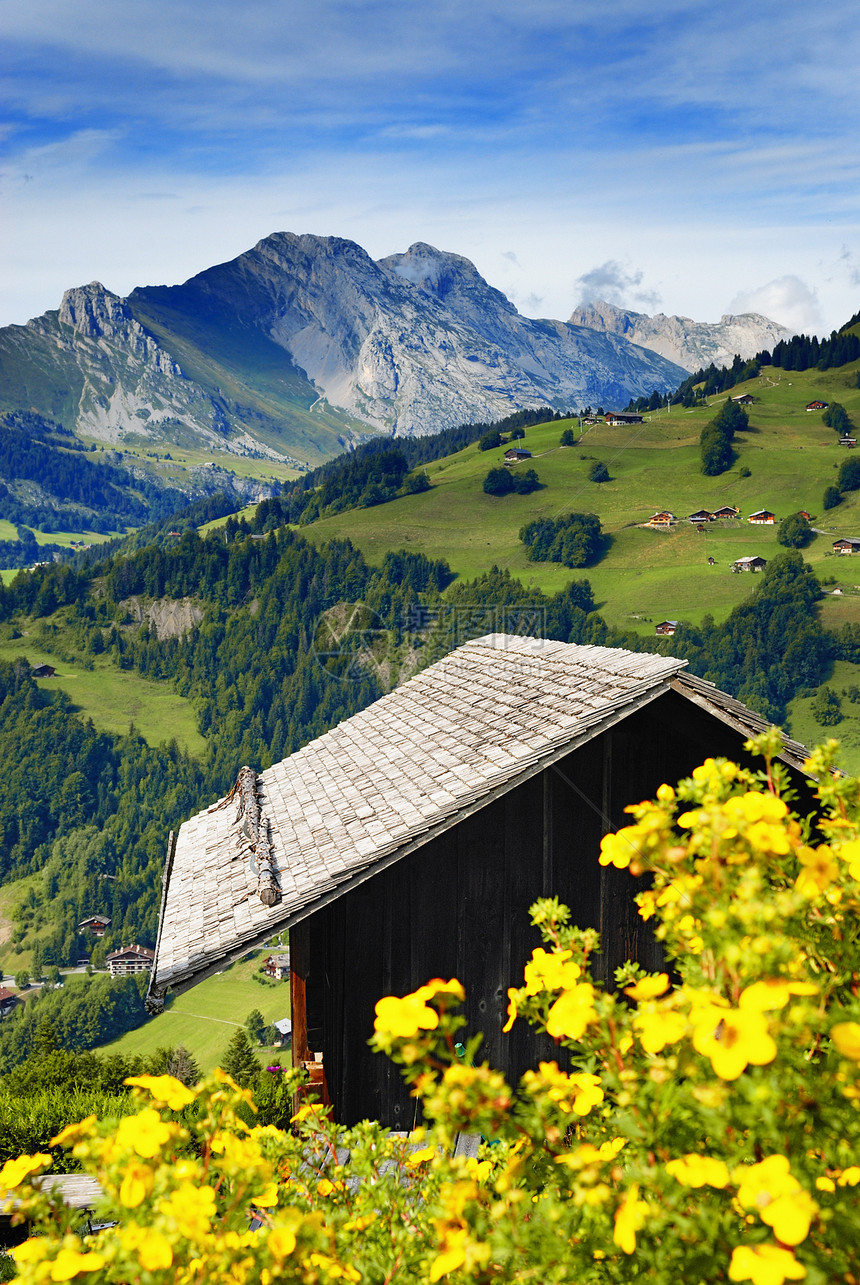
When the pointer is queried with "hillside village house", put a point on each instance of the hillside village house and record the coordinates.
(409, 842)
(847, 544)
(750, 564)
(516, 453)
(701, 515)
(666, 627)
(43, 671)
(615, 418)
(130, 959)
(816, 405)
(725, 512)
(744, 399)
(8, 1001)
(763, 517)
(850, 442)
(663, 518)
(277, 966)
(95, 924)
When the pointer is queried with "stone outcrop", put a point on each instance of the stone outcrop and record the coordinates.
(691, 344)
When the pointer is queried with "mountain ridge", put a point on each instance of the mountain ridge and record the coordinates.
(691, 344)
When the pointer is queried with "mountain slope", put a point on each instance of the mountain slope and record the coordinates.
(301, 344)
(692, 344)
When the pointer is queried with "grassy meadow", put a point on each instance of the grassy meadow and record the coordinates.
(647, 575)
(205, 1018)
(114, 698)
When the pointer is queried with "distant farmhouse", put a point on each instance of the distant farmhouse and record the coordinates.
(727, 511)
(663, 518)
(130, 959)
(43, 671)
(817, 405)
(847, 544)
(701, 515)
(514, 454)
(277, 966)
(666, 627)
(749, 564)
(744, 399)
(763, 517)
(96, 924)
(615, 418)
(8, 1001)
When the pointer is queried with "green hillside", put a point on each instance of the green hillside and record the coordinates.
(205, 1019)
(647, 575)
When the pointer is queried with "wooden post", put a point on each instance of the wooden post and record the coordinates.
(299, 962)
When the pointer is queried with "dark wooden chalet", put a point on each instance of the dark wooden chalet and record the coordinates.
(8, 1001)
(410, 840)
(43, 671)
(515, 454)
(666, 627)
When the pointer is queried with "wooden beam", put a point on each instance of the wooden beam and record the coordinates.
(299, 962)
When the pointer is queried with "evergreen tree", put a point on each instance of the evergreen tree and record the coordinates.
(240, 1062)
(832, 497)
(794, 532)
(255, 1025)
(598, 472)
(182, 1065)
(568, 437)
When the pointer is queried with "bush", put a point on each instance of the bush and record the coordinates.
(836, 417)
(568, 438)
(794, 532)
(498, 482)
(598, 472)
(489, 441)
(525, 482)
(848, 478)
(705, 1127)
(575, 540)
(827, 707)
(832, 497)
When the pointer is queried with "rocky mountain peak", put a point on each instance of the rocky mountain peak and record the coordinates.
(450, 278)
(93, 311)
(691, 344)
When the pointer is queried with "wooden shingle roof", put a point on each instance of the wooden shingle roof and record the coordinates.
(382, 783)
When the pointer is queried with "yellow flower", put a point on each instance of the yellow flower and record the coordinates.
(658, 1026)
(618, 849)
(550, 971)
(764, 1265)
(818, 870)
(629, 1218)
(699, 1171)
(192, 1209)
(453, 1253)
(850, 852)
(513, 996)
(732, 1038)
(71, 1262)
(649, 987)
(437, 986)
(402, 1018)
(773, 993)
(145, 1133)
(282, 1241)
(164, 1088)
(588, 1092)
(845, 1035)
(136, 1185)
(574, 1093)
(151, 1248)
(850, 1177)
(825, 1184)
(571, 1012)
(14, 1172)
(73, 1132)
(332, 1268)
(775, 1194)
(268, 1197)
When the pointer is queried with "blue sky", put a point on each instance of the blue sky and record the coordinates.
(686, 157)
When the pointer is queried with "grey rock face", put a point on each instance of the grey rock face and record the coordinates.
(691, 344)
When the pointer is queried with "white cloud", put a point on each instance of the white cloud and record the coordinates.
(615, 284)
(787, 300)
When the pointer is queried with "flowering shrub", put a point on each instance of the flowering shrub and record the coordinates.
(698, 1125)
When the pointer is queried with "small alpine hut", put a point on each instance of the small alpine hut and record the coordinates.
(409, 842)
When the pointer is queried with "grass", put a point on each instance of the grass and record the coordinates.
(115, 698)
(805, 727)
(205, 1018)
(646, 575)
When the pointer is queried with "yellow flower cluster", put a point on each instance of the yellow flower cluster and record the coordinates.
(403, 1018)
(574, 1094)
